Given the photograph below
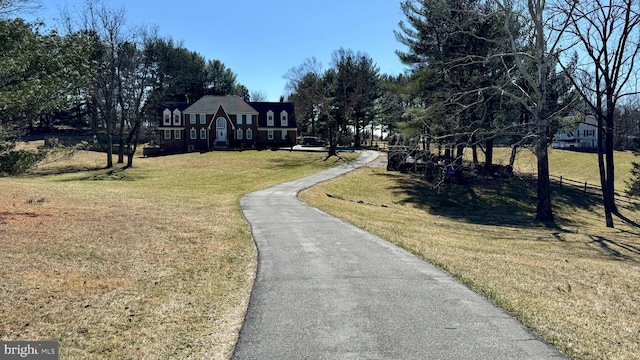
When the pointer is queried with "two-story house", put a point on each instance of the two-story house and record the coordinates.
(216, 122)
(583, 137)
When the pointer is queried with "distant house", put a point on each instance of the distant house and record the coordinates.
(218, 122)
(583, 137)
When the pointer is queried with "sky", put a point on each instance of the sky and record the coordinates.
(259, 40)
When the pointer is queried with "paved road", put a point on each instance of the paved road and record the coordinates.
(328, 290)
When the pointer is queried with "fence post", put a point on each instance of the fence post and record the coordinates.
(560, 181)
(585, 187)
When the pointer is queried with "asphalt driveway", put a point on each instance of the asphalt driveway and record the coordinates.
(328, 290)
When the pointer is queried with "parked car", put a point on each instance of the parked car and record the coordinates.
(313, 141)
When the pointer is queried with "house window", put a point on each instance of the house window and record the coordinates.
(176, 134)
(193, 134)
(203, 119)
(239, 119)
(284, 134)
(203, 133)
(166, 118)
(167, 134)
(249, 134)
(270, 135)
(270, 118)
(176, 117)
(220, 123)
(249, 120)
(192, 119)
(239, 134)
(284, 118)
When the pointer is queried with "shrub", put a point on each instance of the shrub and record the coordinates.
(15, 162)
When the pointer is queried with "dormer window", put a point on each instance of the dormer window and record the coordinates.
(284, 119)
(176, 117)
(166, 117)
(270, 118)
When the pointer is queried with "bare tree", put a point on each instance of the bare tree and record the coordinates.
(258, 96)
(136, 78)
(607, 37)
(310, 86)
(108, 29)
(534, 67)
(10, 8)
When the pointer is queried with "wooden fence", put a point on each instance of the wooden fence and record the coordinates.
(590, 189)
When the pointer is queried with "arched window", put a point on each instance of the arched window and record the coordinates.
(239, 134)
(203, 133)
(221, 123)
(193, 134)
(249, 134)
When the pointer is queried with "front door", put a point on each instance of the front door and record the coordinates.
(221, 129)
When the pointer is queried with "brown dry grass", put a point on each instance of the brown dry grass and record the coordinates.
(152, 262)
(574, 283)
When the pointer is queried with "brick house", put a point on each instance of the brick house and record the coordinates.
(218, 122)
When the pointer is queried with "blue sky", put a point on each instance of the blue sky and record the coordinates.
(260, 40)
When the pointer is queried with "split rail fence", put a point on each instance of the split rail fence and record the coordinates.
(590, 189)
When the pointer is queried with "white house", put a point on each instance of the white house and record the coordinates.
(584, 136)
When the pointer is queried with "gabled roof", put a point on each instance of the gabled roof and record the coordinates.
(209, 104)
(179, 106)
(276, 107)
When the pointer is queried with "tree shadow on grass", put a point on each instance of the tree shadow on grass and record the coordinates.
(290, 163)
(618, 250)
(102, 174)
(489, 201)
(70, 169)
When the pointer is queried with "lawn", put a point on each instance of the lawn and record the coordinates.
(575, 282)
(155, 261)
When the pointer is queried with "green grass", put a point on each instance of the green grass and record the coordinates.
(573, 282)
(153, 261)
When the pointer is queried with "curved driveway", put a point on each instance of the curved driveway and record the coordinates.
(329, 290)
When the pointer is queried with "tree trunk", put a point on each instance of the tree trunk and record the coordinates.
(512, 158)
(543, 208)
(121, 149)
(459, 154)
(606, 168)
(109, 148)
(488, 154)
(474, 153)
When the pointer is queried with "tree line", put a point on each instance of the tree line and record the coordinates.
(95, 72)
(481, 71)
